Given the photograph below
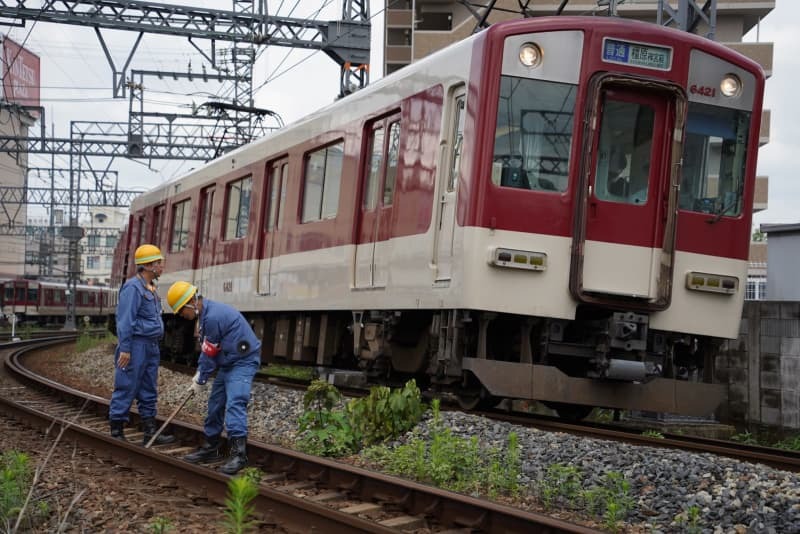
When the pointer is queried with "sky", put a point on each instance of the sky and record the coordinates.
(76, 85)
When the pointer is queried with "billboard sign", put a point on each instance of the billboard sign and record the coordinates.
(20, 74)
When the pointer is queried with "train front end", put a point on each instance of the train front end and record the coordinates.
(613, 208)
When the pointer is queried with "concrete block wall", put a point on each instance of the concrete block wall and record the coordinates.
(762, 366)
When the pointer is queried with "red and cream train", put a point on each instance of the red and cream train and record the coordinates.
(45, 303)
(555, 209)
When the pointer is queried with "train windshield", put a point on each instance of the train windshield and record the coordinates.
(714, 160)
(533, 137)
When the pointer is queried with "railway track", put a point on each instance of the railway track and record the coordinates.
(778, 458)
(5, 337)
(297, 491)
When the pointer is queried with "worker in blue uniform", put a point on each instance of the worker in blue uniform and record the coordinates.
(229, 347)
(139, 330)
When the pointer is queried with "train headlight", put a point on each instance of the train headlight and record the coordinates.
(713, 283)
(530, 55)
(518, 259)
(730, 85)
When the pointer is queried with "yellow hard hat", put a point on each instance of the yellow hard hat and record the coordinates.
(147, 254)
(179, 294)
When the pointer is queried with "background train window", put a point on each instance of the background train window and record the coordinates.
(181, 217)
(323, 176)
(238, 212)
(714, 160)
(624, 152)
(206, 205)
(533, 137)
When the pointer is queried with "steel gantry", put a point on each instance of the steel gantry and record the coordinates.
(170, 136)
(346, 41)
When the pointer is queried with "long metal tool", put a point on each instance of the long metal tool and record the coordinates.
(188, 396)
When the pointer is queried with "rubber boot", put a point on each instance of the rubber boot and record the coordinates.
(237, 458)
(117, 430)
(207, 452)
(150, 427)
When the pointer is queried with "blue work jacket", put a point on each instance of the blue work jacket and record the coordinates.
(224, 327)
(138, 314)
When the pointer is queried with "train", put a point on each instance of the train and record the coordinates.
(43, 303)
(554, 209)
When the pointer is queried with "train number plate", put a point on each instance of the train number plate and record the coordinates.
(637, 54)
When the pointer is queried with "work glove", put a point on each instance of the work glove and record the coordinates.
(197, 388)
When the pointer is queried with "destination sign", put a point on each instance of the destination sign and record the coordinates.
(636, 54)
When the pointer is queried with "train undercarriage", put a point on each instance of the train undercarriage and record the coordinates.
(602, 358)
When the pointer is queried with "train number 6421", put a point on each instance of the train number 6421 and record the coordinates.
(702, 90)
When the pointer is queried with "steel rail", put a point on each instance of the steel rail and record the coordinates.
(778, 458)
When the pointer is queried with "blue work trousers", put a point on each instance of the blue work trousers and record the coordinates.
(227, 403)
(139, 381)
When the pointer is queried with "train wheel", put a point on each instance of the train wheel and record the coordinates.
(476, 399)
(572, 412)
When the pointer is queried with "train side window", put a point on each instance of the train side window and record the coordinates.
(284, 186)
(392, 160)
(181, 218)
(158, 225)
(238, 212)
(277, 176)
(207, 205)
(370, 199)
(533, 136)
(33, 294)
(321, 183)
(458, 140)
(141, 238)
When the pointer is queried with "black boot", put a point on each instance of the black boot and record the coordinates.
(150, 427)
(237, 458)
(207, 452)
(117, 430)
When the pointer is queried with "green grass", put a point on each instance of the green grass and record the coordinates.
(87, 342)
(293, 372)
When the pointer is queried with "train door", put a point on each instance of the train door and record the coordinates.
(448, 181)
(373, 245)
(628, 185)
(276, 184)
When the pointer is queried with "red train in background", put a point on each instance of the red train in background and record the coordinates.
(555, 209)
(45, 303)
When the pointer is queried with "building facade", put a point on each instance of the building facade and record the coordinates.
(783, 257)
(13, 121)
(47, 250)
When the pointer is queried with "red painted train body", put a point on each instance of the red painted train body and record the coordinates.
(45, 303)
(555, 209)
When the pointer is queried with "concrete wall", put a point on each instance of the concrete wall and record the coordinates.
(762, 367)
